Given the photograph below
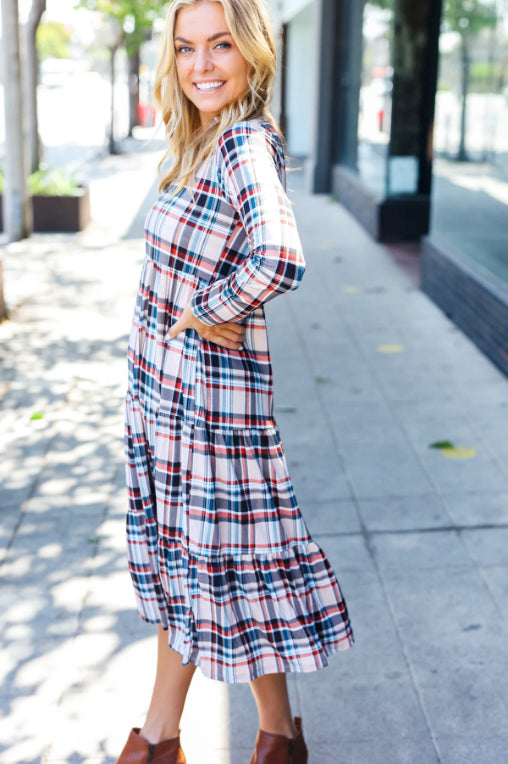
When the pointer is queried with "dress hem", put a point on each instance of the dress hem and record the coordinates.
(295, 665)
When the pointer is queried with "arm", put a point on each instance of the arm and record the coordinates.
(251, 184)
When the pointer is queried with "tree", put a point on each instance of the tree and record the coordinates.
(17, 218)
(136, 18)
(467, 18)
(31, 81)
(53, 40)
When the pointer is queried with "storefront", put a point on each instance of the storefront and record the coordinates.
(401, 110)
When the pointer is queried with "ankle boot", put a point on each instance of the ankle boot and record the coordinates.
(137, 750)
(278, 749)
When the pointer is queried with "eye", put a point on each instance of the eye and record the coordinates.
(183, 49)
(224, 45)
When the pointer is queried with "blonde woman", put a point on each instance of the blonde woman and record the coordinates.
(219, 555)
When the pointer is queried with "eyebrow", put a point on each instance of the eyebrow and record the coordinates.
(209, 39)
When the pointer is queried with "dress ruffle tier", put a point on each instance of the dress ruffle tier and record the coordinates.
(226, 563)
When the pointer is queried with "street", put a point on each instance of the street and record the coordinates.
(74, 119)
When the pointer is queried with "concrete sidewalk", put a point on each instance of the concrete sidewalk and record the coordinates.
(368, 374)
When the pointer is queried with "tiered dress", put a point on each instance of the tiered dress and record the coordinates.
(218, 551)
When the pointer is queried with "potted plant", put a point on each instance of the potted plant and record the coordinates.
(59, 202)
(1, 201)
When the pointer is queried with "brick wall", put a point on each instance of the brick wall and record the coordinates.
(470, 296)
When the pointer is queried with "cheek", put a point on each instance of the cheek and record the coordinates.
(247, 71)
(182, 70)
(242, 70)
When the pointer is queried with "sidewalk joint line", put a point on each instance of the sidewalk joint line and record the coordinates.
(367, 534)
(409, 531)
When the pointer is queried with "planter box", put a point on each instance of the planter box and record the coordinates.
(58, 213)
(2, 299)
(61, 213)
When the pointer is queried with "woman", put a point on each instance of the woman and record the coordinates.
(218, 552)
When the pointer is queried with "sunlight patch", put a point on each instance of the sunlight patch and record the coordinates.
(390, 349)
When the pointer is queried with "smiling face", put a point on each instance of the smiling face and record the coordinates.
(212, 72)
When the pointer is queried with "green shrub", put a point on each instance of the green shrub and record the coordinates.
(54, 182)
(483, 76)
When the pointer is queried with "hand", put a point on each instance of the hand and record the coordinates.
(228, 335)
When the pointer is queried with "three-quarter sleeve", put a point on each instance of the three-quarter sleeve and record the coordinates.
(250, 174)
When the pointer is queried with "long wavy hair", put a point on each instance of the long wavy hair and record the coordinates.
(189, 144)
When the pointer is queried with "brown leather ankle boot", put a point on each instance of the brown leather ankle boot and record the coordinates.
(278, 749)
(137, 750)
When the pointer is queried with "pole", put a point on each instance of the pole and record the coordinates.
(17, 217)
(283, 119)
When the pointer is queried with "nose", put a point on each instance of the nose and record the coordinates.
(203, 61)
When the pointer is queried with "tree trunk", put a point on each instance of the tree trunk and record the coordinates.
(465, 60)
(410, 40)
(112, 76)
(133, 68)
(17, 217)
(31, 78)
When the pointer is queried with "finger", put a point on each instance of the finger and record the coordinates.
(232, 343)
(236, 329)
(228, 334)
(229, 344)
(175, 330)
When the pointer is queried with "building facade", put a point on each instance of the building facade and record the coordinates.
(400, 109)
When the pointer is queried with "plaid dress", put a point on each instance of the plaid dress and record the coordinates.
(218, 551)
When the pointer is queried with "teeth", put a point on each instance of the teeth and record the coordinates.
(209, 85)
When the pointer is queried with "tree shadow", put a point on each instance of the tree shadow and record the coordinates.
(67, 613)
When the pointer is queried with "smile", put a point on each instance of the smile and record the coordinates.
(208, 86)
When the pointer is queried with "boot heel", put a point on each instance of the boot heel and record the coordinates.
(137, 750)
(278, 749)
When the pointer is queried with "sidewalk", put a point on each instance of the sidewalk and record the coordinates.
(368, 374)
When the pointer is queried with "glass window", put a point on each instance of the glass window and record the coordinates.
(470, 181)
(375, 96)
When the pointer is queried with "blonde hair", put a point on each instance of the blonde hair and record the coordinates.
(189, 143)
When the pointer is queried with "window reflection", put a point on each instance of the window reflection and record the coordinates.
(470, 195)
(375, 96)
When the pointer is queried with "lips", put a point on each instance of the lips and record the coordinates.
(211, 85)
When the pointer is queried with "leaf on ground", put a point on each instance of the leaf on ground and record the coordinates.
(36, 415)
(451, 451)
(286, 409)
(459, 452)
(93, 539)
(322, 380)
(390, 349)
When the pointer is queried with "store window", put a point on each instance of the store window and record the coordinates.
(301, 72)
(375, 96)
(470, 180)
